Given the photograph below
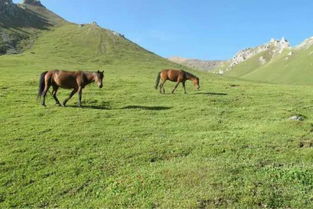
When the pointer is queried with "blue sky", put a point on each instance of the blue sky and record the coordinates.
(204, 29)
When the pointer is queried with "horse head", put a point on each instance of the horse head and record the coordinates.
(196, 83)
(99, 78)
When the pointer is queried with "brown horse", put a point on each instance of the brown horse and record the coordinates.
(76, 80)
(178, 76)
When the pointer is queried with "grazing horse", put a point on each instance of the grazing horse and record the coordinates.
(178, 76)
(76, 80)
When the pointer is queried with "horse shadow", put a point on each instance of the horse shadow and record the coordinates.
(212, 93)
(103, 106)
(158, 108)
(89, 107)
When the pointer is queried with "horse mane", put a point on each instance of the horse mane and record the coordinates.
(188, 75)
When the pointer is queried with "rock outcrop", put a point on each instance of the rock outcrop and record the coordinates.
(33, 2)
(268, 50)
(274, 47)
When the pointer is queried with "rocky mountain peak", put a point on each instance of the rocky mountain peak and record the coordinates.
(273, 46)
(307, 43)
(33, 2)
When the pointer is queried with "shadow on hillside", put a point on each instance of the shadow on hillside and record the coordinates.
(146, 107)
(212, 93)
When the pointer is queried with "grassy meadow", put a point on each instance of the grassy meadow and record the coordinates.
(228, 145)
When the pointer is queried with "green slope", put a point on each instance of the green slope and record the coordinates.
(294, 69)
(292, 66)
(72, 42)
(248, 66)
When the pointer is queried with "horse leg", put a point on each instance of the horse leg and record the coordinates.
(184, 85)
(175, 87)
(44, 93)
(162, 87)
(54, 94)
(80, 90)
(72, 94)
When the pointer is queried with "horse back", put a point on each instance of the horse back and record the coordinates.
(172, 75)
(66, 79)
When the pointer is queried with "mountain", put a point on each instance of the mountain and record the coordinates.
(204, 65)
(21, 23)
(273, 62)
(252, 58)
(31, 28)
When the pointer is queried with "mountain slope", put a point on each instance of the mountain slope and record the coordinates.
(39, 33)
(20, 24)
(89, 42)
(293, 67)
(274, 62)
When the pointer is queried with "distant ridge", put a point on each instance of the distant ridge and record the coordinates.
(274, 62)
(265, 54)
(204, 65)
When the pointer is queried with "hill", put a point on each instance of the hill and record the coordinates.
(204, 65)
(21, 23)
(274, 62)
(31, 28)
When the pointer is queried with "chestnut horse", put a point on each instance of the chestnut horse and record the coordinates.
(178, 76)
(76, 80)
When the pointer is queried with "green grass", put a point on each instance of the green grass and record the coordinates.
(229, 145)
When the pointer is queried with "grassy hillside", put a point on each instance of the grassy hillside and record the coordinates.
(296, 68)
(131, 147)
(72, 43)
(292, 66)
(248, 66)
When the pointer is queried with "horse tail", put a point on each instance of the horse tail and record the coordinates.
(41, 83)
(157, 80)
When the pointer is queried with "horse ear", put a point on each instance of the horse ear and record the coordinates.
(102, 71)
(98, 71)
